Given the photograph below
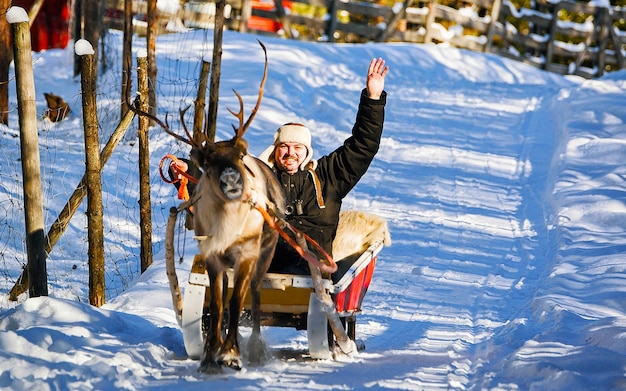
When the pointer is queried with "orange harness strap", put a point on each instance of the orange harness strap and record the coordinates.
(304, 253)
(180, 169)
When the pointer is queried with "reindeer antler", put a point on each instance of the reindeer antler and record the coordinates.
(165, 126)
(243, 127)
(182, 121)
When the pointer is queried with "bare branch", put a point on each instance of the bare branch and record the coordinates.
(261, 90)
(165, 127)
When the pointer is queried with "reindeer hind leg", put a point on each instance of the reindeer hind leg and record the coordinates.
(258, 353)
(257, 350)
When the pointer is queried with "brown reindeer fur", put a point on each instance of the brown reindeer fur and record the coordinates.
(357, 231)
(58, 109)
(233, 234)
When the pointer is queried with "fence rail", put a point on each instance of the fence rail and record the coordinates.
(540, 36)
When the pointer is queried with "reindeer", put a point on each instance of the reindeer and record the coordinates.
(231, 233)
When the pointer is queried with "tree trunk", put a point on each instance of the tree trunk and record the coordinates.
(95, 229)
(151, 45)
(6, 56)
(77, 31)
(145, 211)
(92, 22)
(198, 115)
(216, 70)
(29, 143)
(127, 57)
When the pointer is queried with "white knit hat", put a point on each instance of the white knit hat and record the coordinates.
(290, 133)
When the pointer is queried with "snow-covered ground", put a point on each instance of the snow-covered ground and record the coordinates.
(504, 188)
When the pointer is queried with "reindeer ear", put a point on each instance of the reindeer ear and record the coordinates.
(241, 144)
(197, 157)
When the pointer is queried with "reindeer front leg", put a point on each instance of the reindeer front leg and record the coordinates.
(229, 354)
(213, 341)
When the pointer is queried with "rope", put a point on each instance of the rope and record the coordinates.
(179, 168)
(309, 256)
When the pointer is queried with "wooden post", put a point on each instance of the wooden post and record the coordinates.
(29, 146)
(218, 33)
(615, 40)
(495, 16)
(95, 228)
(392, 24)
(282, 17)
(603, 23)
(198, 114)
(6, 56)
(430, 20)
(127, 49)
(145, 211)
(550, 46)
(34, 11)
(246, 12)
(170, 266)
(92, 22)
(332, 23)
(77, 30)
(151, 46)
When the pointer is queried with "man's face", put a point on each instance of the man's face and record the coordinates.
(289, 156)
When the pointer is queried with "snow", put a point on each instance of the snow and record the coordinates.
(83, 47)
(504, 189)
(16, 15)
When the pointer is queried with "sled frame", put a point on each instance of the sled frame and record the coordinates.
(287, 300)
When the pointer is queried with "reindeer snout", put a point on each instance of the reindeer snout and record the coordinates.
(231, 183)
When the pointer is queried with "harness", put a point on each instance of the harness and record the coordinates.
(179, 168)
(317, 184)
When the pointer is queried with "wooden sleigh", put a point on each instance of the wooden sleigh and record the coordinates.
(301, 301)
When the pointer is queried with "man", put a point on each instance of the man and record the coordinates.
(314, 189)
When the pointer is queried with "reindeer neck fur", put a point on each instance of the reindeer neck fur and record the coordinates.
(221, 223)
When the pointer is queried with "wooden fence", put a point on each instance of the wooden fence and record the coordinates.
(545, 36)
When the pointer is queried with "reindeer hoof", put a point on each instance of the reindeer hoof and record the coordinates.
(209, 366)
(231, 360)
(233, 364)
(257, 351)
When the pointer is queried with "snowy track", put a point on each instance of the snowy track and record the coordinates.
(504, 188)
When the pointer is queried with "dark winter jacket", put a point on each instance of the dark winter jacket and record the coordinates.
(338, 173)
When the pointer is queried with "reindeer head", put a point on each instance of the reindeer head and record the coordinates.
(223, 164)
